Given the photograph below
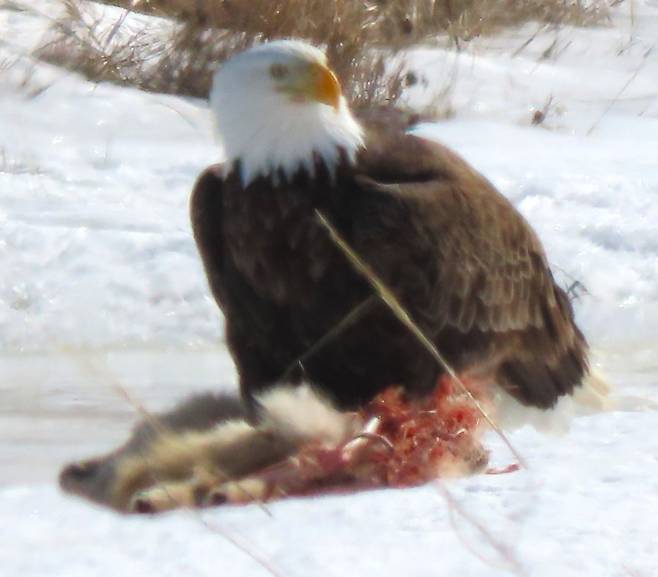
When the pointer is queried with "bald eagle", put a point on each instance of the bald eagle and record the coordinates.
(465, 264)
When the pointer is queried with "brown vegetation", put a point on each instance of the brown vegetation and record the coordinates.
(179, 55)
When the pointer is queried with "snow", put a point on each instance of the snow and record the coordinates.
(102, 293)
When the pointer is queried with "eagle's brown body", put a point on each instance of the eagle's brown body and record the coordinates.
(463, 261)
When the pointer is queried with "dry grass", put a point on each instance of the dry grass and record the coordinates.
(179, 55)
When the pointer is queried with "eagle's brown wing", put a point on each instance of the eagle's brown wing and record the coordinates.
(470, 267)
(205, 215)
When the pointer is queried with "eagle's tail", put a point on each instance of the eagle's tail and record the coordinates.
(549, 362)
(591, 396)
(539, 381)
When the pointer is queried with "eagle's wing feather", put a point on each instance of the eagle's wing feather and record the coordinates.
(493, 272)
(206, 217)
(490, 271)
(485, 280)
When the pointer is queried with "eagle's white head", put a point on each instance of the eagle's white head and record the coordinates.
(277, 106)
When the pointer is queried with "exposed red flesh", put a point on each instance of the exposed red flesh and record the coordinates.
(409, 442)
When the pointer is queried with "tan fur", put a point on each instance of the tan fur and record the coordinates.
(169, 495)
(174, 456)
(303, 413)
(184, 469)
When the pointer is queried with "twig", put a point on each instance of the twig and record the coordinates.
(529, 41)
(575, 288)
(621, 91)
(258, 558)
(501, 548)
(348, 320)
(85, 363)
(392, 302)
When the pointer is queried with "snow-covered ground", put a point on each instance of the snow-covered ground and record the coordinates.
(101, 288)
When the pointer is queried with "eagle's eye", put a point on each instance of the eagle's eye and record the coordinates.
(278, 71)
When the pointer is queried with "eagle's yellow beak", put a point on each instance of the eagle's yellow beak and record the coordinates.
(313, 82)
(323, 85)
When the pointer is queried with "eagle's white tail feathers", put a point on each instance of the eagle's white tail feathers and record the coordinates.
(592, 396)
